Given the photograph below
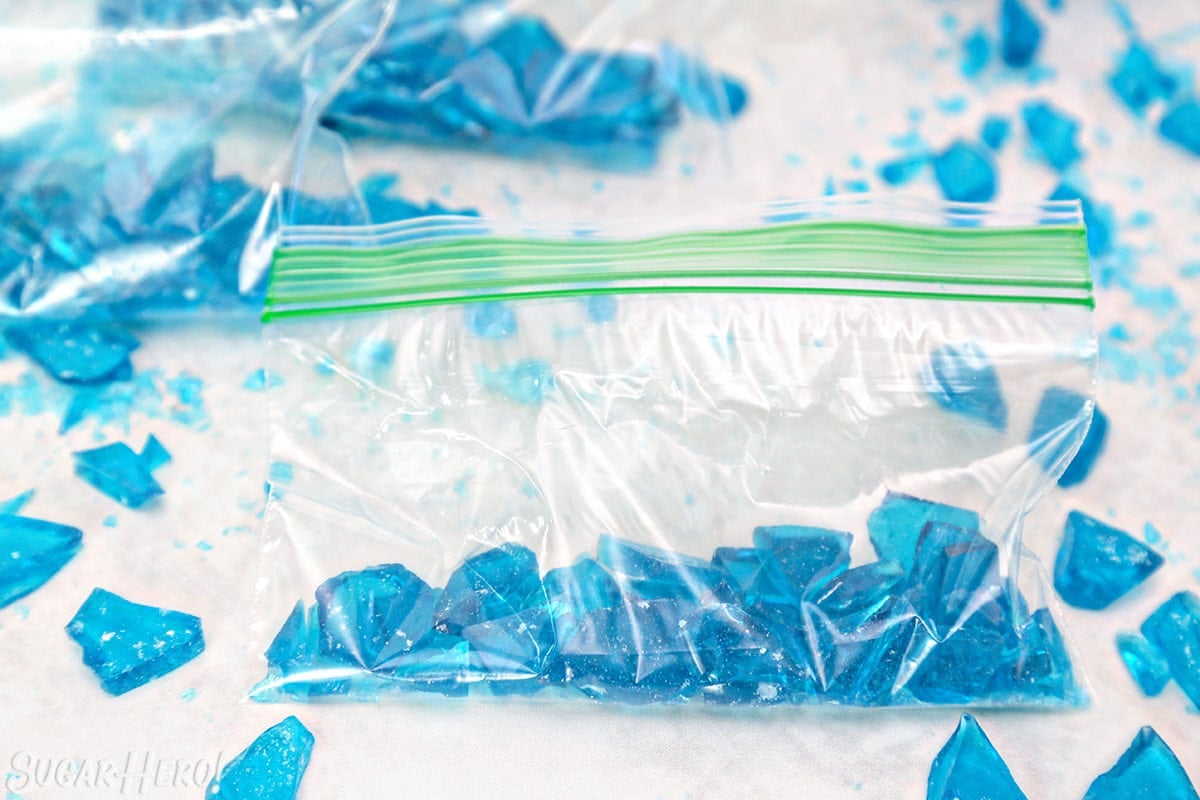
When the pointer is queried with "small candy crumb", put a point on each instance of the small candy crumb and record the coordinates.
(122, 474)
(1181, 125)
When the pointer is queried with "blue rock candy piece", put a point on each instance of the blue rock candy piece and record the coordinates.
(271, 768)
(969, 768)
(965, 173)
(494, 584)
(514, 647)
(895, 527)
(1058, 426)
(601, 307)
(755, 574)
(1053, 133)
(119, 472)
(1098, 218)
(954, 571)
(804, 553)
(1138, 80)
(74, 353)
(1149, 670)
(863, 662)
(1181, 125)
(962, 667)
(976, 51)
(1040, 663)
(153, 454)
(902, 170)
(491, 319)
(1085, 458)
(1098, 564)
(127, 644)
(860, 592)
(732, 649)
(31, 552)
(527, 382)
(14, 504)
(1148, 769)
(1020, 34)
(994, 132)
(295, 642)
(961, 379)
(575, 591)
(1174, 630)
(371, 616)
(654, 573)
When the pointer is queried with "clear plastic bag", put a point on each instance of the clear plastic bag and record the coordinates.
(733, 461)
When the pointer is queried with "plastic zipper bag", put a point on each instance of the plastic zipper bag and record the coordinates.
(732, 461)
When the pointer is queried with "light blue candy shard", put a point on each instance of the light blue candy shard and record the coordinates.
(1085, 458)
(75, 353)
(1057, 426)
(575, 591)
(1148, 769)
(527, 382)
(1181, 125)
(1149, 670)
(31, 552)
(1138, 80)
(755, 574)
(15, 504)
(969, 768)
(371, 616)
(119, 472)
(895, 527)
(153, 454)
(271, 768)
(964, 173)
(491, 319)
(1174, 630)
(1097, 564)
(1053, 133)
(495, 584)
(517, 646)
(961, 379)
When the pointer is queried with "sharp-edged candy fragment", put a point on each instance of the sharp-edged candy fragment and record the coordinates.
(1174, 630)
(954, 570)
(1020, 34)
(1148, 769)
(271, 768)
(1181, 125)
(655, 573)
(13, 505)
(755, 574)
(1149, 670)
(1098, 564)
(495, 584)
(1057, 426)
(122, 474)
(574, 592)
(127, 644)
(1138, 80)
(895, 527)
(514, 647)
(962, 379)
(1085, 458)
(372, 616)
(1053, 133)
(153, 454)
(75, 353)
(969, 768)
(965, 173)
(31, 552)
(804, 553)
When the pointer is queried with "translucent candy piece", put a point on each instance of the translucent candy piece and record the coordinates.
(491, 319)
(1098, 564)
(1138, 80)
(865, 665)
(731, 648)
(575, 591)
(1040, 665)
(955, 570)
(895, 527)
(804, 553)
(127, 644)
(271, 768)
(119, 472)
(994, 132)
(517, 646)
(14, 504)
(962, 379)
(965, 173)
(969, 768)
(654, 573)
(976, 52)
(153, 454)
(1085, 458)
(294, 643)
(495, 584)
(1181, 125)
(1174, 630)
(858, 592)
(1147, 769)
(74, 353)
(902, 170)
(716, 96)
(962, 668)
(371, 616)
(1055, 426)
(31, 552)
(755, 574)
(527, 382)
(1020, 34)
(372, 358)
(1146, 665)
(1053, 133)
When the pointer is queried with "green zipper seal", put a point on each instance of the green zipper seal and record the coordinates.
(1036, 264)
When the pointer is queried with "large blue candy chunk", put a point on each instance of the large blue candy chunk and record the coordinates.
(1138, 80)
(1174, 630)
(495, 584)
(1148, 769)
(31, 552)
(804, 553)
(120, 473)
(1057, 426)
(372, 616)
(895, 527)
(1085, 458)
(858, 593)
(965, 173)
(491, 320)
(528, 381)
(74, 353)
(961, 379)
(734, 651)
(1053, 133)
(575, 591)
(963, 667)
(654, 573)
(1097, 564)
(127, 644)
(865, 664)
(1038, 664)
(514, 647)
(969, 768)
(755, 574)
(1020, 34)
(271, 768)
(954, 571)
(1149, 670)
(1181, 125)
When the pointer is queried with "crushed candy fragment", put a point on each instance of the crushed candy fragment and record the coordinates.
(372, 616)
(965, 173)
(1053, 133)
(1181, 125)
(1174, 630)
(1138, 80)
(1085, 458)
(1098, 564)
(271, 768)
(969, 768)
(1149, 769)
(1020, 34)
(122, 474)
(75, 353)
(962, 379)
(1146, 665)
(127, 644)
(32, 551)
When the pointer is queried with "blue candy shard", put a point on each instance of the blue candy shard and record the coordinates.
(14, 504)
(994, 132)
(371, 616)
(31, 552)
(127, 644)
(1148, 769)
(976, 51)
(902, 170)
(961, 379)
(755, 575)
(1097, 218)
(1040, 665)
(119, 472)
(514, 647)
(895, 527)
(372, 358)
(858, 593)
(804, 553)
(295, 643)
(527, 382)
(864, 664)
(1149, 670)
(495, 584)
(1085, 458)
(969, 768)
(1098, 564)
(1138, 80)
(965, 173)
(732, 649)
(964, 665)
(153, 454)
(716, 96)
(654, 573)
(575, 591)
(271, 768)
(952, 570)
(491, 320)
(601, 307)
(1174, 630)
(1020, 34)
(1052, 132)
(74, 353)
(1181, 125)
(1057, 425)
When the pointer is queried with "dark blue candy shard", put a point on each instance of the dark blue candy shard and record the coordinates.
(994, 132)
(1085, 458)
(127, 644)
(1097, 218)
(495, 584)
(969, 768)
(1138, 80)
(1174, 630)
(1098, 564)
(731, 648)
(895, 527)
(1053, 133)
(119, 472)
(955, 570)
(804, 553)
(965, 173)
(1181, 125)
(491, 319)
(1058, 426)
(1149, 670)
(754, 574)
(1020, 34)
(271, 768)
(514, 647)
(153, 454)
(858, 593)
(74, 353)
(1148, 769)
(370, 617)
(961, 379)
(31, 552)
(575, 591)
(653, 573)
